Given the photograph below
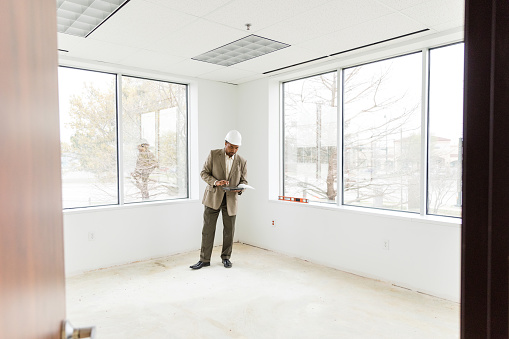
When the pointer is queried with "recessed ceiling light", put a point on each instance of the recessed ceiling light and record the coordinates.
(244, 49)
(81, 17)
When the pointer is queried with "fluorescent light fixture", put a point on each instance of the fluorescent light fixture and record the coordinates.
(244, 49)
(81, 17)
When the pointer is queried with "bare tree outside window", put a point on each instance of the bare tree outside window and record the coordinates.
(88, 137)
(381, 140)
(154, 116)
(445, 140)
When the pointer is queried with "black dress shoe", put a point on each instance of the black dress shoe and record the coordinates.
(199, 265)
(227, 263)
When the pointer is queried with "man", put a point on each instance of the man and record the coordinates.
(223, 168)
(145, 164)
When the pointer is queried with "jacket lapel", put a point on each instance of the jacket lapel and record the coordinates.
(222, 161)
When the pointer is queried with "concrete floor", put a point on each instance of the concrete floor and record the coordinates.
(264, 295)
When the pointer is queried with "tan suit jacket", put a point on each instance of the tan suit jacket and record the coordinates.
(215, 169)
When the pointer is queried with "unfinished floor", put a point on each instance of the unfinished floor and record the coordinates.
(264, 295)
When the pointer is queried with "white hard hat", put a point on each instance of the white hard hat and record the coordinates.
(143, 142)
(234, 137)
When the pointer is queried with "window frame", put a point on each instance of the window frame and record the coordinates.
(119, 112)
(426, 201)
(282, 95)
(120, 140)
(422, 52)
(424, 116)
(116, 135)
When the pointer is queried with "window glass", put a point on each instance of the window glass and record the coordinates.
(382, 134)
(88, 137)
(445, 130)
(154, 125)
(310, 138)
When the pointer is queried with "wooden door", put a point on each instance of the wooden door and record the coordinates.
(32, 282)
(485, 231)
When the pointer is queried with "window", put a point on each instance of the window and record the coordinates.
(445, 122)
(88, 137)
(382, 134)
(153, 122)
(154, 113)
(310, 134)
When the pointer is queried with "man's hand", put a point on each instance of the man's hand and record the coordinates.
(222, 183)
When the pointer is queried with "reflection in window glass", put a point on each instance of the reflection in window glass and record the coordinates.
(310, 133)
(88, 137)
(382, 139)
(445, 130)
(154, 125)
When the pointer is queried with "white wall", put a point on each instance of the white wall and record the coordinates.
(423, 255)
(124, 234)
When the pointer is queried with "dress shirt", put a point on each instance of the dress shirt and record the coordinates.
(229, 163)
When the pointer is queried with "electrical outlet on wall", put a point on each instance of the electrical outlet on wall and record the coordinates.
(91, 236)
(273, 223)
(386, 244)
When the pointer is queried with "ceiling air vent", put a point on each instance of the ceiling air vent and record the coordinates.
(82, 17)
(244, 49)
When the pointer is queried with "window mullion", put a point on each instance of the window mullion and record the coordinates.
(282, 140)
(339, 150)
(120, 141)
(424, 132)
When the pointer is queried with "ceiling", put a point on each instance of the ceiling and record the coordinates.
(164, 35)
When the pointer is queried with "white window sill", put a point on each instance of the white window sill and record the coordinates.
(144, 204)
(412, 217)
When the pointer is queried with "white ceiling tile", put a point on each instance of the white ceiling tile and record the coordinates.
(373, 31)
(91, 49)
(67, 42)
(449, 25)
(437, 12)
(151, 60)
(199, 37)
(140, 23)
(192, 68)
(227, 74)
(330, 17)
(249, 78)
(260, 13)
(282, 58)
(402, 4)
(196, 7)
